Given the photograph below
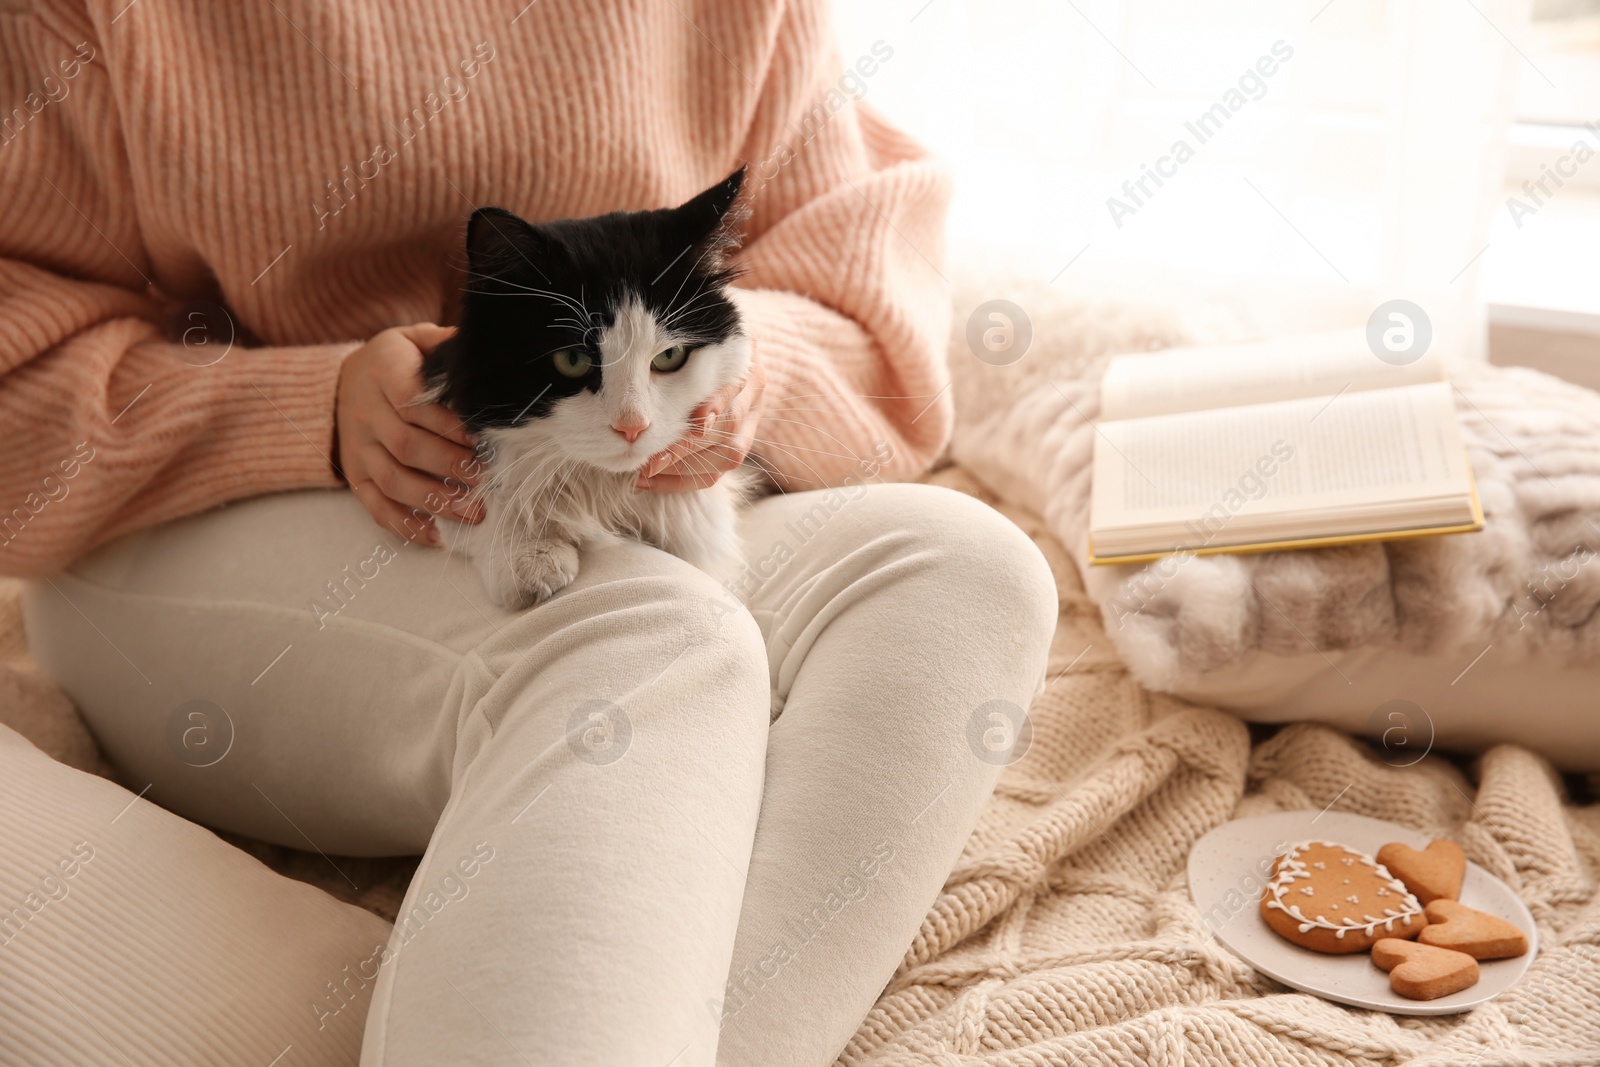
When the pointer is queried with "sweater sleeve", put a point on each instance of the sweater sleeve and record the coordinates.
(847, 303)
(106, 427)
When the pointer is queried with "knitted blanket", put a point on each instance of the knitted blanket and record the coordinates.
(1524, 583)
(1066, 935)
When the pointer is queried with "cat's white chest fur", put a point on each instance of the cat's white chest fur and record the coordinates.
(528, 546)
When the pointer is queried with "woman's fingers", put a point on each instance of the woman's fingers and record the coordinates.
(414, 489)
(721, 433)
(419, 528)
(723, 398)
(714, 419)
(425, 450)
(701, 464)
(681, 483)
(394, 451)
(438, 420)
(402, 378)
(671, 456)
(688, 474)
(400, 387)
(425, 335)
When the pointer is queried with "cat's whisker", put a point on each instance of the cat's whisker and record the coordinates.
(763, 464)
(781, 476)
(500, 479)
(854, 396)
(847, 454)
(548, 491)
(791, 449)
(509, 512)
(694, 272)
(786, 450)
(697, 302)
(583, 322)
(500, 475)
(561, 298)
(567, 474)
(701, 294)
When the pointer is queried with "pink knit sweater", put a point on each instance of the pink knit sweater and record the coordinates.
(309, 164)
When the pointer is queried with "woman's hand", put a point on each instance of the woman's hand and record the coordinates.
(394, 452)
(721, 432)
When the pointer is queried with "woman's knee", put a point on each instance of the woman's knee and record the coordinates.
(979, 562)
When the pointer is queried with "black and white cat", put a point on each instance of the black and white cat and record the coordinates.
(584, 347)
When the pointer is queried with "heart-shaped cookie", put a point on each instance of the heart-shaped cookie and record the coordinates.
(1480, 935)
(1330, 898)
(1424, 972)
(1434, 873)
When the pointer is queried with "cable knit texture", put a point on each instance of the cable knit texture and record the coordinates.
(1066, 934)
(306, 169)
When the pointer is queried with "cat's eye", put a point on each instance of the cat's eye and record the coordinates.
(670, 360)
(572, 362)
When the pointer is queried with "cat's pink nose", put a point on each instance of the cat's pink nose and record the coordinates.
(630, 431)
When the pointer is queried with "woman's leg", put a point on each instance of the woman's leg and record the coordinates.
(585, 776)
(613, 765)
(896, 616)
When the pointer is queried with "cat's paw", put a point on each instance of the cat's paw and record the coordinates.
(541, 569)
(503, 590)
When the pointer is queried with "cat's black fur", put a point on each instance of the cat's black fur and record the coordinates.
(497, 372)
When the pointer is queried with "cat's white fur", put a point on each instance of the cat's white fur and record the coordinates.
(566, 481)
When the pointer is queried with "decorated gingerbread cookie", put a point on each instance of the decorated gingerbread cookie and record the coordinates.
(1330, 898)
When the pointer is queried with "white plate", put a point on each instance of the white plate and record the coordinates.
(1230, 866)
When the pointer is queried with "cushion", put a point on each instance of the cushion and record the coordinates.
(130, 935)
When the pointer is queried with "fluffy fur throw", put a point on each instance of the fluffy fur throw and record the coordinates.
(1525, 582)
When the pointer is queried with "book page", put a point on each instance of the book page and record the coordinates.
(1195, 379)
(1230, 475)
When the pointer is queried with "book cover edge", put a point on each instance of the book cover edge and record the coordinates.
(1255, 547)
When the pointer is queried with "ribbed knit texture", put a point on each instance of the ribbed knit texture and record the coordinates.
(310, 166)
(92, 915)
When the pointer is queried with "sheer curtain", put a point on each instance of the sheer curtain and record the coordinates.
(1333, 154)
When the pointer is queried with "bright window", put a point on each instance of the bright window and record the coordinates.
(1357, 148)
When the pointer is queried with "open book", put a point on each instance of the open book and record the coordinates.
(1280, 444)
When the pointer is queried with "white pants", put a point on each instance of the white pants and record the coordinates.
(626, 858)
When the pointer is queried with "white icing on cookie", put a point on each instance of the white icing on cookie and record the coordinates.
(1292, 868)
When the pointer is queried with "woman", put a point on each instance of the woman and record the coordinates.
(658, 875)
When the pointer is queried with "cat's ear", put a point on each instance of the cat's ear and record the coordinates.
(497, 239)
(711, 220)
(712, 206)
